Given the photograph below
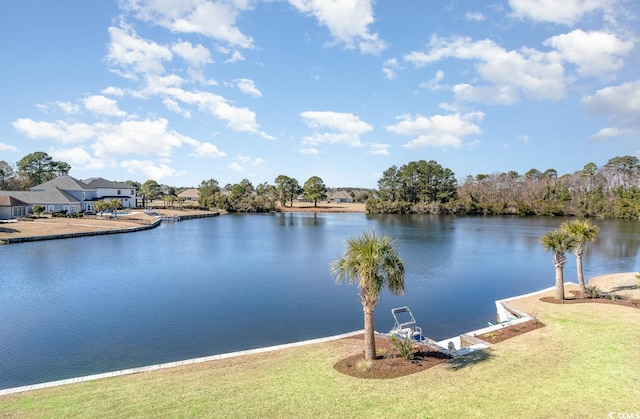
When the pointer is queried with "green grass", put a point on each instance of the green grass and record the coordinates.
(585, 363)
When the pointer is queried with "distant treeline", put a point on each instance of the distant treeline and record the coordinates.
(418, 187)
(422, 187)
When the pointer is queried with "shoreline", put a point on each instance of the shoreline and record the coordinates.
(606, 282)
(48, 228)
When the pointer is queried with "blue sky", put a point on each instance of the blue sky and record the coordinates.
(186, 90)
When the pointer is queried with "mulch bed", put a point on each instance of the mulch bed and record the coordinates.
(508, 332)
(392, 365)
(578, 297)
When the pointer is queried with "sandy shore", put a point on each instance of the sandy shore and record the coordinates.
(47, 226)
(323, 207)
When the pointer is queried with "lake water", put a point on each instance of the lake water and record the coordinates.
(203, 287)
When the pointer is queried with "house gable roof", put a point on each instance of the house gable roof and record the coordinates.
(11, 201)
(47, 196)
(340, 195)
(98, 182)
(66, 183)
(189, 193)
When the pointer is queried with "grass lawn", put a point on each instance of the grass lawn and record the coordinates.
(584, 363)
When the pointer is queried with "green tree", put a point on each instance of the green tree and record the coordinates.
(559, 241)
(373, 263)
(287, 188)
(315, 190)
(39, 167)
(389, 185)
(150, 190)
(37, 210)
(625, 170)
(206, 192)
(6, 174)
(101, 206)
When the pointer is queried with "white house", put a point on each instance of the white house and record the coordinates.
(68, 194)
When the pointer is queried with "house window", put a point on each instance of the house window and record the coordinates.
(131, 192)
(118, 191)
(83, 195)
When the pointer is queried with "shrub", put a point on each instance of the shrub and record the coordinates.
(593, 292)
(364, 365)
(404, 346)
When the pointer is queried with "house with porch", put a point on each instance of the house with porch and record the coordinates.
(11, 208)
(67, 194)
(340, 197)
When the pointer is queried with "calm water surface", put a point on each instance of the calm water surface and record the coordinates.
(202, 287)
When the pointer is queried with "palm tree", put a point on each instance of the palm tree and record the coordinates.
(559, 241)
(584, 232)
(373, 263)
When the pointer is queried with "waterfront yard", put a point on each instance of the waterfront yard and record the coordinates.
(584, 363)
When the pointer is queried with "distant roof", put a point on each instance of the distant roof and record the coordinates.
(98, 182)
(66, 183)
(10, 201)
(189, 193)
(340, 195)
(47, 196)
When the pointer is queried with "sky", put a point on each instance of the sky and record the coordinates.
(181, 91)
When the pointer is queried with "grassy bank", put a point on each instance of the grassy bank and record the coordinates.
(585, 363)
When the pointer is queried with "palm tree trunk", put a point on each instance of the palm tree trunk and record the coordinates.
(559, 283)
(580, 273)
(369, 333)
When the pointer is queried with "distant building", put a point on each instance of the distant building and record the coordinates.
(11, 208)
(190, 194)
(340, 197)
(67, 194)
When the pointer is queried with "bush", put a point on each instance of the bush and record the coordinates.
(364, 365)
(593, 292)
(404, 346)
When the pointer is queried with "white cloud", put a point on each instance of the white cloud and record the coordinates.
(238, 119)
(389, 68)
(610, 132)
(565, 12)
(248, 87)
(621, 102)
(174, 107)
(344, 128)
(208, 150)
(196, 56)
(235, 57)
(137, 137)
(78, 158)
(7, 147)
(134, 55)
(474, 16)
(68, 107)
(527, 72)
(438, 130)
(151, 170)
(594, 53)
(434, 83)
(213, 19)
(102, 105)
(379, 149)
(309, 150)
(347, 20)
(59, 130)
(235, 167)
(113, 91)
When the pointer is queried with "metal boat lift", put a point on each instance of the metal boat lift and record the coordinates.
(405, 327)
